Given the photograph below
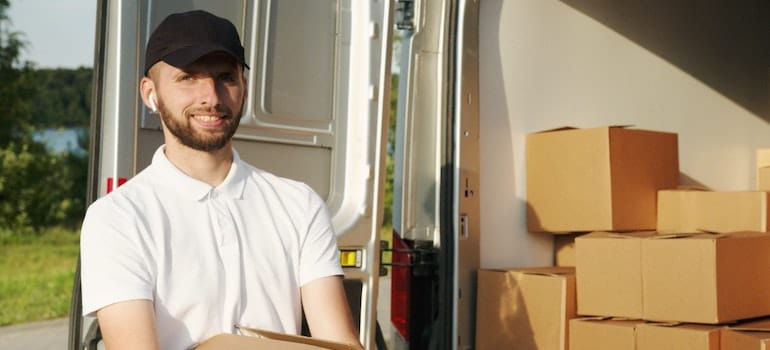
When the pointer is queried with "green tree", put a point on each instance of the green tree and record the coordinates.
(38, 188)
(34, 186)
(64, 98)
(387, 216)
(17, 87)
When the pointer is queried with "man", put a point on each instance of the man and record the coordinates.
(201, 243)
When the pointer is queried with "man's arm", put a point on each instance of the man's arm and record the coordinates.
(128, 325)
(327, 311)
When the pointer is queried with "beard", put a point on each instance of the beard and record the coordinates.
(204, 141)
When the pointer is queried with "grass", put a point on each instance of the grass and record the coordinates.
(36, 275)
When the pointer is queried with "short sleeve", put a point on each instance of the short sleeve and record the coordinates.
(319, 256)
(114, 260)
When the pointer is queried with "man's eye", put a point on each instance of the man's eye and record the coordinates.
(227, 77)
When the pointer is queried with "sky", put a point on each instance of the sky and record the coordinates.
(59, 33)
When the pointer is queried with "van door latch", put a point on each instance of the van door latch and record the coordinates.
(405, 14)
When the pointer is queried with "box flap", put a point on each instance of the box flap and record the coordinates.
(549, 271)
(561, 128)
(757, 325)
(318, 343)
(689, 188)
(718, 235)
(244, 342)
(554, 271)
(709, 235)
(678, 235)
(627, 235)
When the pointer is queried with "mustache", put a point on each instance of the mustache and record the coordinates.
(221, 110)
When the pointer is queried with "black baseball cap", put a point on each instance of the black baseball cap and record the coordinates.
(182, 38)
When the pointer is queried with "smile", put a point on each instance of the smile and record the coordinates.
(207, 118)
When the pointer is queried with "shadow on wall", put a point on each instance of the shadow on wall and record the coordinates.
(724, 44)
(689, 182)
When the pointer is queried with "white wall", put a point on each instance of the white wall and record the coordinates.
(544, 64)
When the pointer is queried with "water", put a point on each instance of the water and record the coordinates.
(61, 139)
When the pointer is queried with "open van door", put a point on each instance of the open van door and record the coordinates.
(436, 199)
(316, 111)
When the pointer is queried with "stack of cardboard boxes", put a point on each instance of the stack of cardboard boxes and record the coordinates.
(643, 263)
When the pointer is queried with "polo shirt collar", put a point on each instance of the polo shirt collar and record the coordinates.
(171, 177)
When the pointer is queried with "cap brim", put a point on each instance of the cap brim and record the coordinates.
(187, 55)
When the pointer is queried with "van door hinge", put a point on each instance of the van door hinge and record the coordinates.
(405, 14)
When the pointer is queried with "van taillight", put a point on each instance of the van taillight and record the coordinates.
(400, 286)
(413, 295)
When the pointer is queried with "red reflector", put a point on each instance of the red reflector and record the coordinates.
(111, 183)
(400, 286)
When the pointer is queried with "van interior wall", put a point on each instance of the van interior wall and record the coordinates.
(700, 70)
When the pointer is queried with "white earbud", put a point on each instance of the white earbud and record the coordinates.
(153, 102)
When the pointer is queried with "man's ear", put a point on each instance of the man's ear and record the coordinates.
(147, 91)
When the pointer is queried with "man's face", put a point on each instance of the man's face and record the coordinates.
(201, 104)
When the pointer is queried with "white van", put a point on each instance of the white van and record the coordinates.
(475, 78)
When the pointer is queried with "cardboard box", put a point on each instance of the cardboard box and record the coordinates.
(564, 249)
(706, 278)
(680, 336)
(677, 211)
(266, 340)
(602, 334)
(753, 335)
(598, 179)
(609, 274)
(525, 308)
(763, 179)
(763, 169)
(688, 211)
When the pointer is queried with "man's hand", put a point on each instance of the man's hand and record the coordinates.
(327, 311)
(129, 325)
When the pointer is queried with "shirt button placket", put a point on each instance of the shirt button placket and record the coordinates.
(230, 253)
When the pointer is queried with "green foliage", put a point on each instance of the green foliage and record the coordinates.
(38, 188)
(33, 186)
(387, 216)
(63, 98)
(17, 82)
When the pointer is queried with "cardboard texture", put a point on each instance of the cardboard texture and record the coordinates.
(602, 334)
(525, 308)
(763, 179)
(598, 179)
(609, 274)
(657, 336)
(687, 211)
(763, 169)
(706, 278)
(266, 340)
(564, 249)
(676, 211)
(754, 335)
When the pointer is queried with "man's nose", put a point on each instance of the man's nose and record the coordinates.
(209, 91)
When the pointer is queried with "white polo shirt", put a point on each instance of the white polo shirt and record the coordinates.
(209, 258)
